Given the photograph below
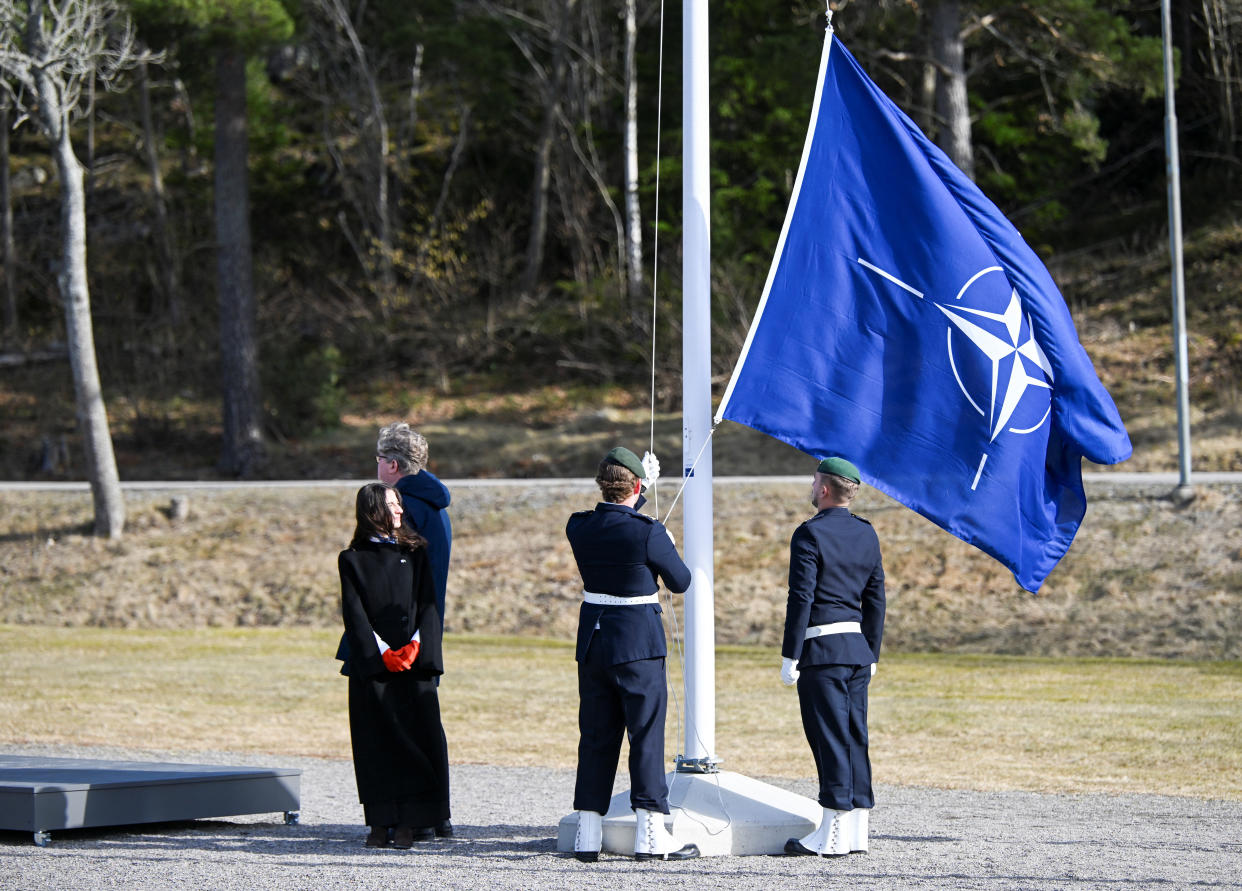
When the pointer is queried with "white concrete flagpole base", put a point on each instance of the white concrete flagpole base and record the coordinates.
(723, 813)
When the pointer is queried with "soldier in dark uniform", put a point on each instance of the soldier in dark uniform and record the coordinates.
(620, 653)
(833, 625)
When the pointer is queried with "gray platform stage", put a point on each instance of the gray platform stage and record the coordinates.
(41, 794)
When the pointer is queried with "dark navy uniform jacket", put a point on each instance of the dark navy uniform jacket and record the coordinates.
(623, 552)
(835, 575)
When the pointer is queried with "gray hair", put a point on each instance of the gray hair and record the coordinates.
(403, 445)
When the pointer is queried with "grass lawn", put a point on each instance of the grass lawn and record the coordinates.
(977, 722)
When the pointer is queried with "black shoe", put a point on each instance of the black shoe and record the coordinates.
(687, 852)
(444, 829)
(587, 856)
(403, 837)
(795, 848)
(377, 837)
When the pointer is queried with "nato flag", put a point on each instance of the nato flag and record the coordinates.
(906, 326)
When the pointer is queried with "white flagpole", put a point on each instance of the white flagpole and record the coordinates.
(700, 635)
(720, 811)
(1175, 249)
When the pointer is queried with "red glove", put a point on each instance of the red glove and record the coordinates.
(400, 660)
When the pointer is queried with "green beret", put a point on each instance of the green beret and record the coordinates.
(627, 459)
(840, 467)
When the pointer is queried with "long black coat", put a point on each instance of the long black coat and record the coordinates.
(389, 590)
(400, 753)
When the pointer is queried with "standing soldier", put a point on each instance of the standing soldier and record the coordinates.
(833, 625)
(620, 653)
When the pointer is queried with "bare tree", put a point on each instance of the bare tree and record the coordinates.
(49, 49)
(374, 119)
(952, 105)
(633, 212)
(553, 83)
(6, 223)
(164, 244)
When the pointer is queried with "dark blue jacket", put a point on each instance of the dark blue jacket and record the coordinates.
(425, 500)
(624, 553)
(835, 575)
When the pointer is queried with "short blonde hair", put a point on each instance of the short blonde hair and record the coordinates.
(403, 445)
(844, 491)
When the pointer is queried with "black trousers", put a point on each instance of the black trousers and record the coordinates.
(612, 700)
(833, 699)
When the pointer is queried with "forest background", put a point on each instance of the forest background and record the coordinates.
(457, 212)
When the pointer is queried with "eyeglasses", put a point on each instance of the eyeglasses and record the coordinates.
(380, 459)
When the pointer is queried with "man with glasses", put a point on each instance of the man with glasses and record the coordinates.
(401, 462)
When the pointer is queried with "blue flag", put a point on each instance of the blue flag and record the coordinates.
(906, 326)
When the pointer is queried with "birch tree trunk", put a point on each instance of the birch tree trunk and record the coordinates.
(952, 105)
(75, 294)
(243, 440)
(633, 212)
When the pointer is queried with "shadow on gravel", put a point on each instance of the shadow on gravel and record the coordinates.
(320, 839)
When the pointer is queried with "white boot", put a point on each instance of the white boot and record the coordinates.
(590, 836)
(828, 840)
(859, 817)
(653, 842)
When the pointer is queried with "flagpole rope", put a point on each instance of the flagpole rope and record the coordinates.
(686, 477)
(670, 606)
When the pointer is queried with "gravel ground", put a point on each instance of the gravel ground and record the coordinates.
(506, 839)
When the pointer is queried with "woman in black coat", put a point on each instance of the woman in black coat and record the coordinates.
(388, 604)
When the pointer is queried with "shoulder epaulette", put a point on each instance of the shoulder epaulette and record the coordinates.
(861, 519)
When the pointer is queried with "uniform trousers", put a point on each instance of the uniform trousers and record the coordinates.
(833, 699)
(613, 700)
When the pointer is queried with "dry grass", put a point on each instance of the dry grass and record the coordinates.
(987, 723)
(1143, 579)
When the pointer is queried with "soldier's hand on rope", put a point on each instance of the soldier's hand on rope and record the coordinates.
(789, 672)
(651, 467)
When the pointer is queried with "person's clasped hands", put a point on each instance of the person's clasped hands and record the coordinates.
(400, 659)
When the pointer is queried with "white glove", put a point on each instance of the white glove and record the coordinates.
(873, 669)
(651, 467)
(789, 672)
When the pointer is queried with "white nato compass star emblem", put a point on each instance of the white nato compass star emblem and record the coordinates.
(1018, 399)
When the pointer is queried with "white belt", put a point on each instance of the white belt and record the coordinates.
(613, 600)
(833, 628)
